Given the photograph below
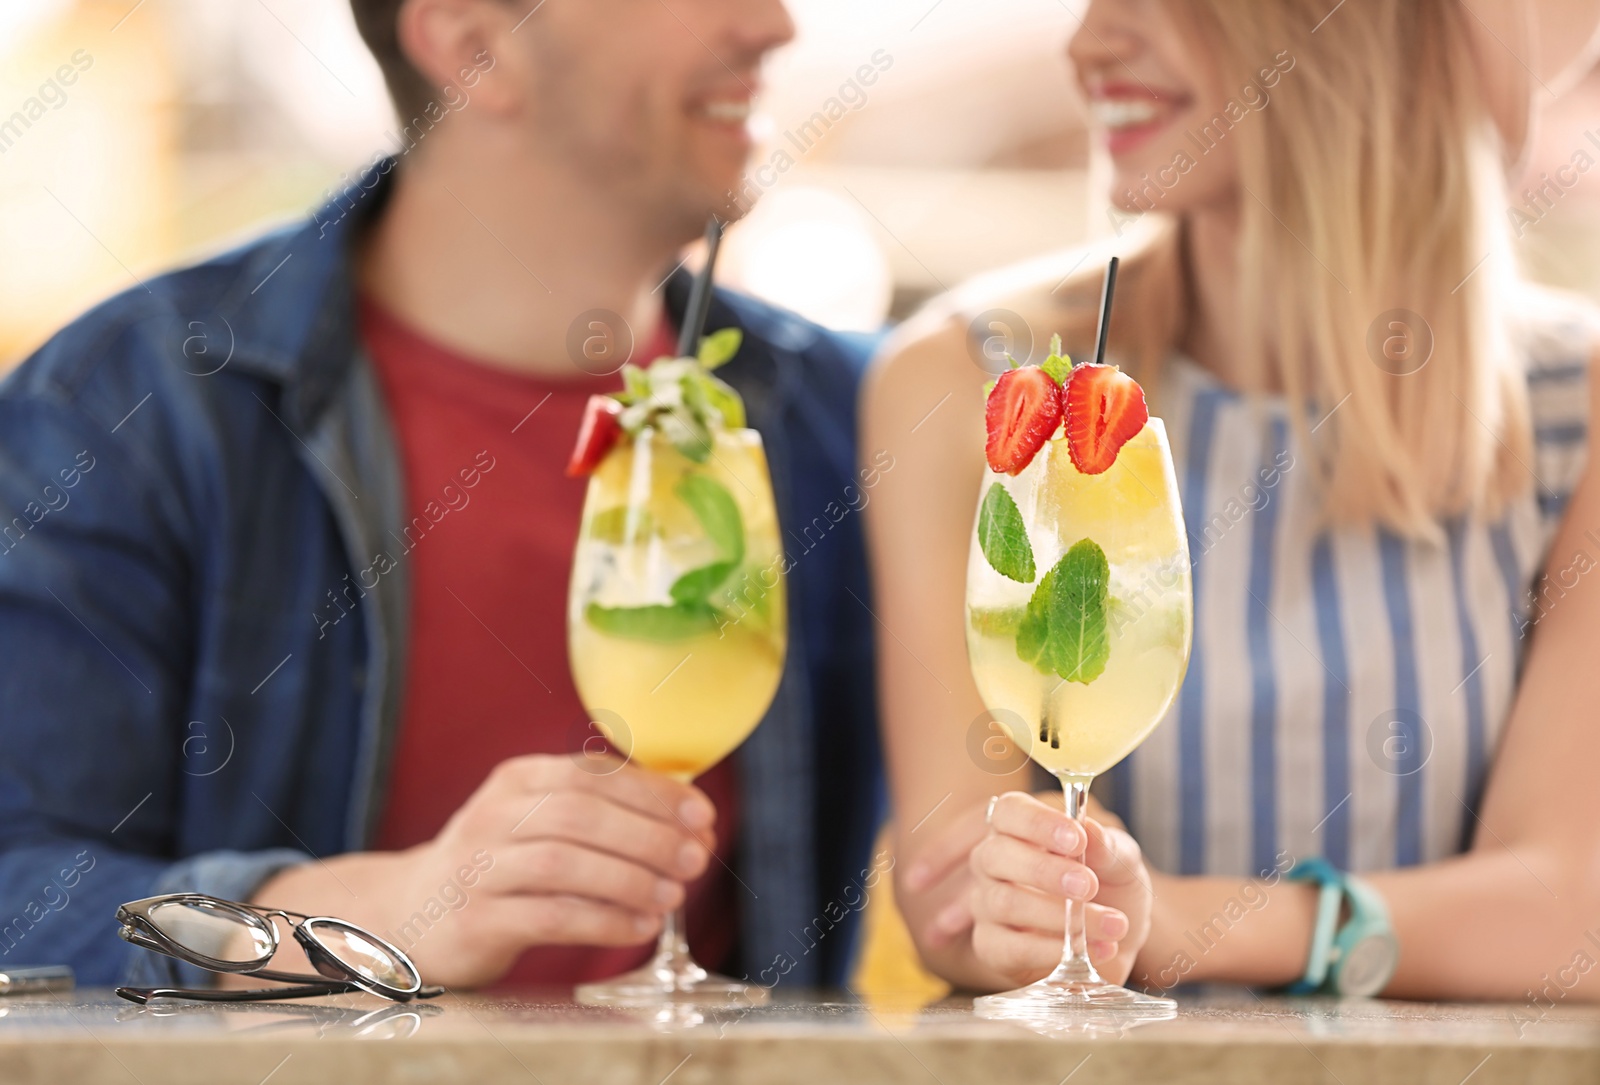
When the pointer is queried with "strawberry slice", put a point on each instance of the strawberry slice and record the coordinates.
(1105, 410)
(598, 432)
(1023, 412)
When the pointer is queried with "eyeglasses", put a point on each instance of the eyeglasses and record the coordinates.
(226, 936)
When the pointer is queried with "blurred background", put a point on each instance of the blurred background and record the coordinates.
(193, 123)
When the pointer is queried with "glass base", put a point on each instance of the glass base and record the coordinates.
(665, 1017)
(1059, 998)
(685, 985)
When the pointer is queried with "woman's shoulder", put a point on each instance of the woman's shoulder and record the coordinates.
(1558, 335)
(1006, 311)
(1558, 331)
(1016, 310)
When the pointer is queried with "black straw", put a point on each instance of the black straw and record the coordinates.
(694, 317)
(1105, 311)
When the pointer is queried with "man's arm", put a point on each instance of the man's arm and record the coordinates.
(95, 621)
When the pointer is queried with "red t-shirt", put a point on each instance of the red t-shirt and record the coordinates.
(492, 522)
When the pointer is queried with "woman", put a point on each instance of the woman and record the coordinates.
(1381, 440)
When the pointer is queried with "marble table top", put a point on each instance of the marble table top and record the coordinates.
(91, 1037)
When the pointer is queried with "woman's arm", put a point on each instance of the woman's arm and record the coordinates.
(924, 405)
(1519, 912)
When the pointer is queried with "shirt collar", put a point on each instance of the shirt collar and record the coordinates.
(291, 307)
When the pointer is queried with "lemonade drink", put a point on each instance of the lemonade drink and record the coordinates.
(677, 672)
(1072, 727)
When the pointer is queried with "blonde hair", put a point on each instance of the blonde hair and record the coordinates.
(1372, 181)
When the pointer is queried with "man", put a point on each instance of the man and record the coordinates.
(283, 577)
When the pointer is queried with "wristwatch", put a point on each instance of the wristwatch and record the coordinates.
(1357, 959)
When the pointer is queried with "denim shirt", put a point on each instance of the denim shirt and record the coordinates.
(193, 473)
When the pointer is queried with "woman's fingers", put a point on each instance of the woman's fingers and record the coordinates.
(1021, 908)
(1017, 906)
(1026, 954)
(1022, 955)
(1113, 854)
(948, 851)
(1105, 925)
(952, 921)
(1018, 814)
(1093, 809)
(1100, 952)
(1008, 859)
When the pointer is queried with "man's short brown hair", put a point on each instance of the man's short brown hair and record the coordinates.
(378, 21)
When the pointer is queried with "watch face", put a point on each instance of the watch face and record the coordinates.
(1367, 967)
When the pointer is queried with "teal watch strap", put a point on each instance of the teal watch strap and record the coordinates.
(1358, 958)
(1365, 951)
(1329, 898)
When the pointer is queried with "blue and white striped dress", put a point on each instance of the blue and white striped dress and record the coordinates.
(1347, 688)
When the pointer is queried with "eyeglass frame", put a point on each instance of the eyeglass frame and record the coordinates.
(137, 928)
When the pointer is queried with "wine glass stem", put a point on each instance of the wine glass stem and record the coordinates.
(1075, 965)
(672, 948)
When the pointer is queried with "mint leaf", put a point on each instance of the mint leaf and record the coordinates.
(722, 399)
(1058, 367)
(681, 399)
(687, 432)
(690, 613)
(717, 512)
(1064, 630)
(696, 585)
(635, 385)
(719, 347)
(657, 623)
(1004, 537)
(692, 392)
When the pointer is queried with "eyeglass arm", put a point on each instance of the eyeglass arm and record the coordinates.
(288, 977)
(142, 995)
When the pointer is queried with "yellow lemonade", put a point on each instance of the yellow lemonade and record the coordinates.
(676, 708)
(677, 620)
(1077, 728)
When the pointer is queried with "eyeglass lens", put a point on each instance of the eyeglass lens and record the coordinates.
(362, 954)
(222, 934)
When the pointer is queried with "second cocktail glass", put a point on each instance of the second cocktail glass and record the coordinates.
(1079, 646)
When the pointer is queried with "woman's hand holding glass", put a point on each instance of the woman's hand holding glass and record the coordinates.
(1033, 859)
(1016, 869)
